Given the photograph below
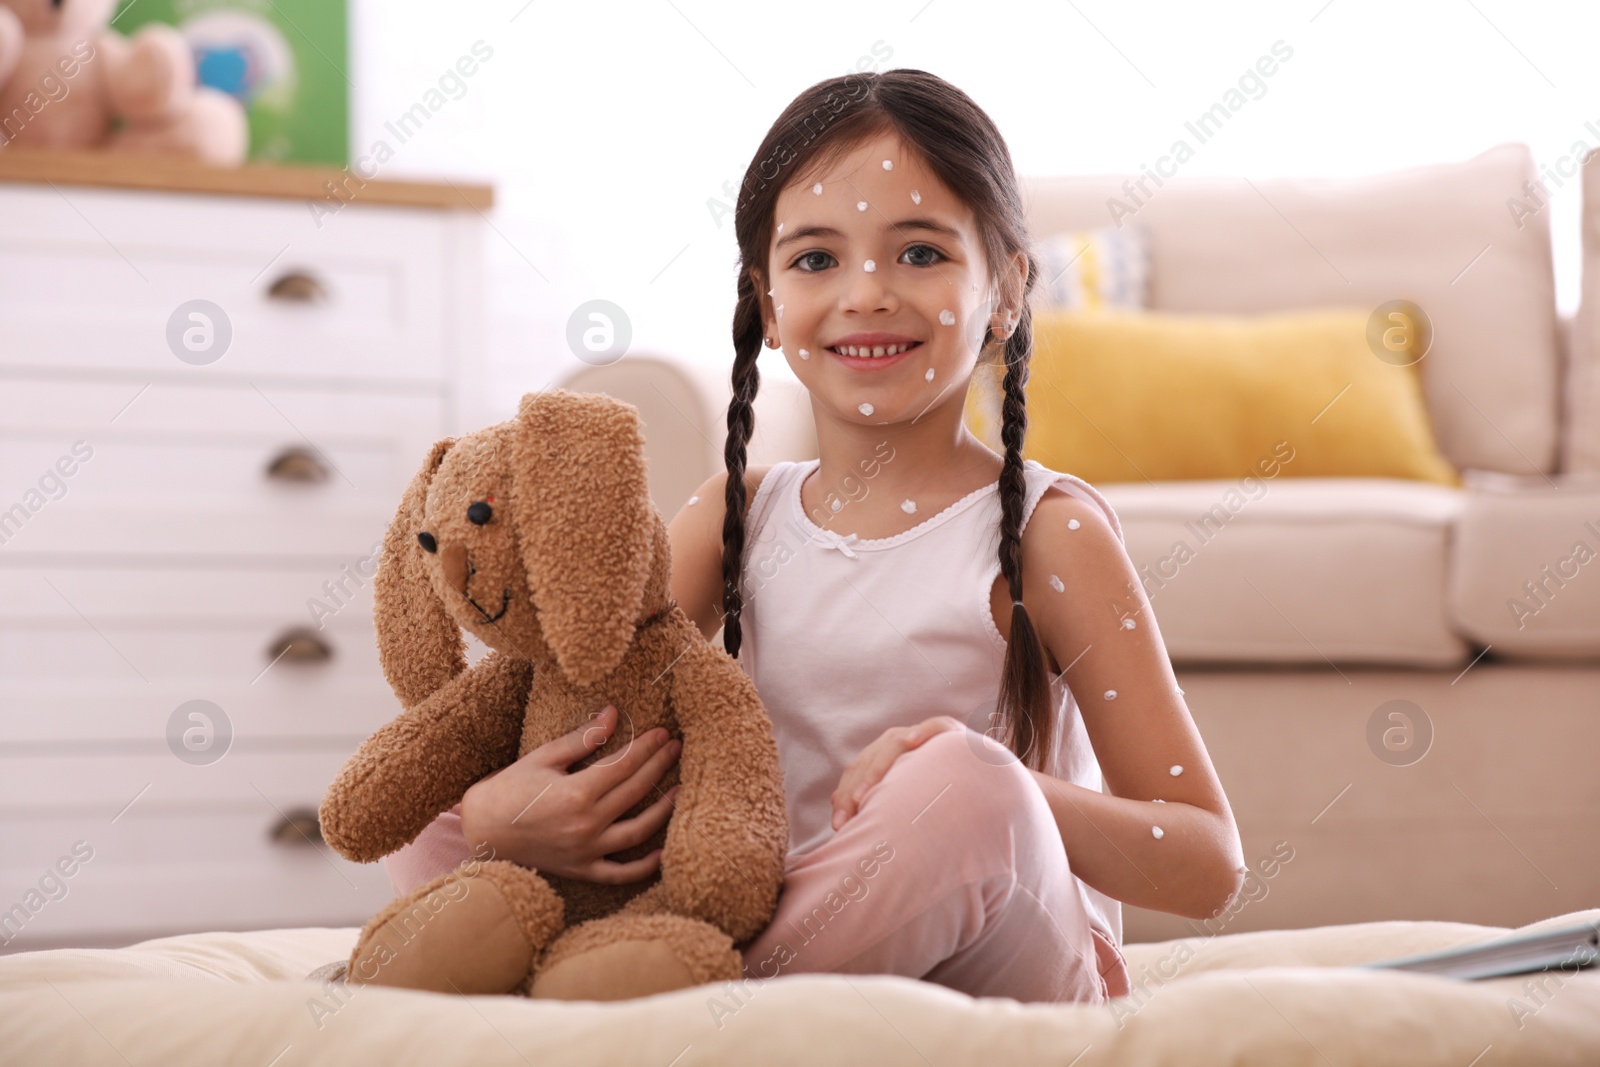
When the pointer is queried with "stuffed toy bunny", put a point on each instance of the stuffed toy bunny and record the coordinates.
(64, 76)
(538, 536)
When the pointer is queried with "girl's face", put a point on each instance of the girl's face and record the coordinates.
(879, 290)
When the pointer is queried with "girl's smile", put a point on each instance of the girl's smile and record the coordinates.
(872, 351)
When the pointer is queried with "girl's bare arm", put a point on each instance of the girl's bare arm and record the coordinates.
(1163, 837)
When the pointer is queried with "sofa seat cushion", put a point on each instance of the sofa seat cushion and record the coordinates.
(1526, 579)
(1295, 570)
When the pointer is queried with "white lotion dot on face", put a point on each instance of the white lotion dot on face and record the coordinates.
(947, 317)
(1158, 800)
(861, 205)
(1175, 770)
(865, 409)
(780, 311)
(805, 354)
(1073, 524)
(916, 197)
(1055, 583)
(908, 506)
(929, 375)
(817, 188)
(693, 501)
(780, 227)
(1111, 694)
(1155, 832)
(1128, 624)
(888, 164)
(869, 266)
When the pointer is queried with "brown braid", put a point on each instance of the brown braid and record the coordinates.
(747, 335)
(1025, 684)
(962, 146)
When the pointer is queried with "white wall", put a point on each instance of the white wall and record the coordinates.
(607, 127)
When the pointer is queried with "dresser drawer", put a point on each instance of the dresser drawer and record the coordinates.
(178, 596)
(161, 871)
(102, 782)
(203, 531)
(95, 277)
(92, 655)
(413, 415)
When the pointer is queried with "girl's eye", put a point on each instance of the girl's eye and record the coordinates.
(807, 256)
(928, 249)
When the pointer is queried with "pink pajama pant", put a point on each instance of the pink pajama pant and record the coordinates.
(952, 871)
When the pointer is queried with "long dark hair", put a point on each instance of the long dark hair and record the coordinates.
(961, 145)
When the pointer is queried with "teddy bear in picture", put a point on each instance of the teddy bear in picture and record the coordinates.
(538, 536)
(64, 77)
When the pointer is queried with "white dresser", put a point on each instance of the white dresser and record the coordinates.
(211, 398)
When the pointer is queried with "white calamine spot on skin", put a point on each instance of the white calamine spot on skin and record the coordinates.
(1111, 694)
(1128, 624)
(1175, 770)
(865, 409)
(947, 317)
(1155, 831)
(1073, 524)
(869, 266)
(836, 505)
(1179, 688)
(780, 311)
(804, 354)
(888, 164)
(780, 227)
(817, 188)
(861, 205)
(929, 375)
(693, 501)
(1158, 800)
(1055, 583)
(769, 292)
(916, 197)
(908, 506)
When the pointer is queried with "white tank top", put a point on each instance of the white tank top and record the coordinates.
(845, 637)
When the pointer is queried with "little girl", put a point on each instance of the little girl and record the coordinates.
(949, 812)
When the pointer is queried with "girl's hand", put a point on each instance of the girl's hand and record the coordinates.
(874, 761)
(534, 813)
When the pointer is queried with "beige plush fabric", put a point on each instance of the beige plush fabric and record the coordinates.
(1441, 235)
(1258, 998)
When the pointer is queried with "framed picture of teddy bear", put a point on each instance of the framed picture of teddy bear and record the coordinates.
(287, 62)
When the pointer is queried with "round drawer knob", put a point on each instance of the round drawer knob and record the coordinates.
(300, 644)
(297, 827)
(296, 463)
(298, 287)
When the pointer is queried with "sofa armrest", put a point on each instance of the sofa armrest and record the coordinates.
(1525, 572)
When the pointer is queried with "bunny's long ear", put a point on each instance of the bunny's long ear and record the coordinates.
(582, 514)
(419, 644)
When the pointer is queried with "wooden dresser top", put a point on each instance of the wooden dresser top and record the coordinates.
(285, 181)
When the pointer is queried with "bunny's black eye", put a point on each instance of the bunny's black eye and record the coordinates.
(425, 539)
(479, 513)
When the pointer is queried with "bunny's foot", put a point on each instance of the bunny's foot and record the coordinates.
(477, 932)
(628, 955)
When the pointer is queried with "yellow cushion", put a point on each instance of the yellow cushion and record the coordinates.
(1119, 396)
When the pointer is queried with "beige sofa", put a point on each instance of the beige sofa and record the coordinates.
(1376, 708)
